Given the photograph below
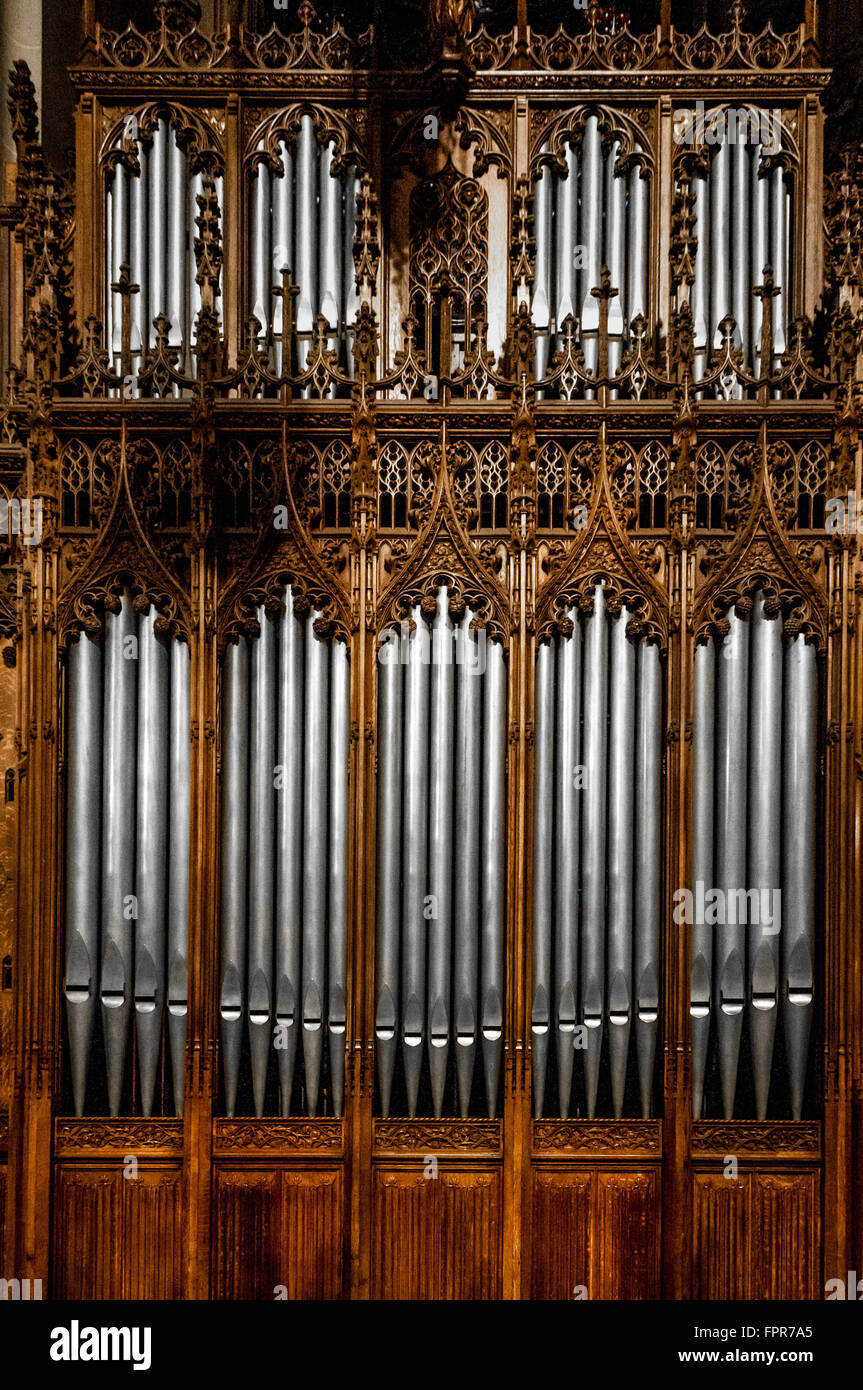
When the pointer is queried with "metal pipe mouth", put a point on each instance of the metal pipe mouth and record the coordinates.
(177, 1008)
(731, 1004)
(78, 994)
(764, 1001)
(145, 1003)
(113, 999)
(799, 996)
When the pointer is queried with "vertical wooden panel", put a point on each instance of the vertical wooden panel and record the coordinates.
(247, 1253)
(469, 1211)
(2, 1209)
(87, 1250)
(406, 1236)
(312, 1261)
(117, 1237)
(560, 1233)
(719, 1255)
(784, 1235)
(626, 1247)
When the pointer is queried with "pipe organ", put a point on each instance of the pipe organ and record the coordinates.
(743, 216)
(596, 859)
(441, 874)
(592, 210)
(284, 847)
(754, 828)
(432, 671)
(303, 217)
(151, 206)
(127, 854)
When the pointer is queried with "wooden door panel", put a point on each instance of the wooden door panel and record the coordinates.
(437, 1237)
(248, 1262)
(719, 1236)
(785, 1240)
(626, 1247)
(561, 1233)
(313, 1233)
(118, 1237)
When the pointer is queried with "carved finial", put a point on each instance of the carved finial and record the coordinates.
(452, 18)
(766, 292)
(22, 106)
(125, 289)
(604, 292)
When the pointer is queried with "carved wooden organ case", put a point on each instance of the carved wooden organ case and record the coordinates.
(433, 587)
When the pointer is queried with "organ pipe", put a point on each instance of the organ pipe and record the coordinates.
(542, 869)
(567, 808)
(235, 844)
(798, 859)
(315, 849)
(700, 990)
(621, 753)
(262, 762)
(493, 882)
(289, 842)
(337, 888)
(179, 774)
(83, 807)
(440, 848)
(388, 868)
(593, 842)
(720, 223)
(648, 841)
(151, 849)
(415, 851)
(468, 712)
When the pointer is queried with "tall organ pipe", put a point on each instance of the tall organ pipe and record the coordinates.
(765, 779)
(138, 239)
(466, 863)
(741, 272)
(541, 305)
(636, 259)
(176, 244)
(262, 272)
(593, 841)
(566, 238)
(289, 841)
(306, 225)
(151, 850)
(591, 233)
(732, 709)
(493, 868)
(119, 248)
(178, 865)
(798, 872)
(720, 287)
(648, 755)
(388, 862)
(440, 848)
(542, 869)
(337, 871)
(621, 755)
(615, 214)
(779, 256)
(330, 238)
(158, 210)
(415, 850)
(315, 822)
(759, 201)
(703, 261)
(262, 762)
(351, 295)
(567, 807)
(83, 838)
(235, 840)
(118, 861)
(700, 987)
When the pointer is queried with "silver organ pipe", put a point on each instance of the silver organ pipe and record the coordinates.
(152, 227)
(541, 306)
(331, 269)
(721, 253)
(351, 300)
(468, 714)
(594, 214)
(542, 869)
(741, 272)
(779, 225)
(440, 848)
(282, 187)
(648, 841)
(151, 850)
(289, 845)
(235, 850)
(441, 888)
(264, 275)
(798, 876)
(753, 856)
(701, 284)
(759, 201)
(308, 156)
(178, 866)
(597, 845)
(388, 864)
(700, 990)
(284, 857)
(621, 754)
(567, 807)
(492, 883)
(337, 888)
(127, 850)
(415, 656)
(593, 842)
(315, 849)
(118, 856)
(83, 818)
(262, 810)
(732, 750)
